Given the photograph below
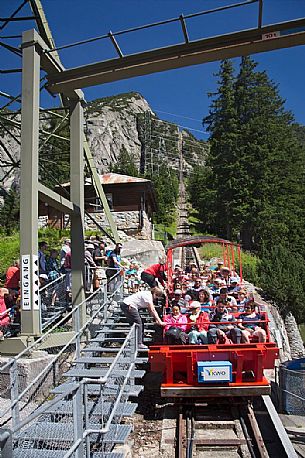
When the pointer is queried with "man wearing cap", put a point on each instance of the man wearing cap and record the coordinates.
(227, 325)
(193, 292)
(233, 286)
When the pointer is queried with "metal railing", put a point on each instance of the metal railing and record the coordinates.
(54, 300)
(22, 405)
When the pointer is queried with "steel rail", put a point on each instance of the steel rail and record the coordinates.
(153, 24)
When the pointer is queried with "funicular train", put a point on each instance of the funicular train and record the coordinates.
(214, 369)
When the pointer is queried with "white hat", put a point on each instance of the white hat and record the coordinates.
(194, 305)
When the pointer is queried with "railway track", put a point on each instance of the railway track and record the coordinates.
(187, 254)
(222, 430)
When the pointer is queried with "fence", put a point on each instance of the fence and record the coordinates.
(69, 422)
(54, 300)
(292, 386)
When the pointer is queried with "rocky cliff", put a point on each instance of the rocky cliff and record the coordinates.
(124, 121)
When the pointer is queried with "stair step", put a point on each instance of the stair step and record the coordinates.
(103, 360)
(42, 453)
(94, 389)
(113, 339)
(63, 432)
(99, 372)
(102, 349)
(126, 409)
(120, 331)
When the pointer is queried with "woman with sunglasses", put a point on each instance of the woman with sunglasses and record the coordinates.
(250, 325)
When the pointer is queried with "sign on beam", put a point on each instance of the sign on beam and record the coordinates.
(29, 282)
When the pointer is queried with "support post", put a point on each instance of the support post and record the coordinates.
(30, 313)
(77, 197)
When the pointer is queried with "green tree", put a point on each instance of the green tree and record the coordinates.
(269, 163)
(221, 122)
(9, 212)
(125, 164)
(281, 277)
(166, 185)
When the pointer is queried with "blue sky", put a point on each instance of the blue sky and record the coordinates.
(183, 92)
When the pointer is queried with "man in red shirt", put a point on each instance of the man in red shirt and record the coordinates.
(153, 273)
(13, 276)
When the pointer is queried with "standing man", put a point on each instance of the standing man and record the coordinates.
(141, 300)
(42, 246)
(98, 254)
(65, 249)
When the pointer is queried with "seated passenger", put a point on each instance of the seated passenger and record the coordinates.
(178, 300)
(225, 274)
(4, 313)
(230, 301)
(198, 324)
(242, 299)
(194, 290)
(233, 286)
(249, 326)
(205, 300)
(175, 328)
(225, 328)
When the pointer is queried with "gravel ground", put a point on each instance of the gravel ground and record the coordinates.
(147, 422)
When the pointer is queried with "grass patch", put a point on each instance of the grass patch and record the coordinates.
(10, 245)
(164, 233)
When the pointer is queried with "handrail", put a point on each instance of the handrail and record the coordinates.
(50, 331)
(51, 283)
(46, 369)
(76, 386)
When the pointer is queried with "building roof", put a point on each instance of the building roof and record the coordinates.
(116, 178)
(113, 178)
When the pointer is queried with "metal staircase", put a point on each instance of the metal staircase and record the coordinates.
(84, 415)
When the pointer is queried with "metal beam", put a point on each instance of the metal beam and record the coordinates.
(57, 201)
(77, 197)
(30, 313)
(99, 190)
(267, 38)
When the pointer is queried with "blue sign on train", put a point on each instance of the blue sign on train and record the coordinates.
(214, 371)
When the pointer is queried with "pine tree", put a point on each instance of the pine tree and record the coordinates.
(270, 160)
(125, 164)
(9, 212)
(222, 124)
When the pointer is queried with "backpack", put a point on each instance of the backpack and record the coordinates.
(174, 336)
